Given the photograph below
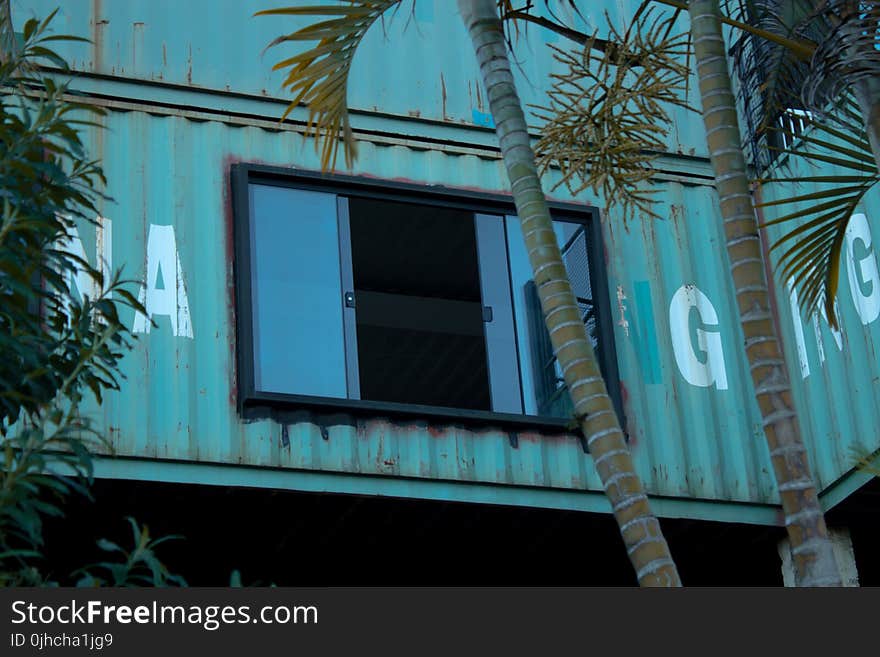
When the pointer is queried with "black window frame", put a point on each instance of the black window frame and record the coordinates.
(253, 403)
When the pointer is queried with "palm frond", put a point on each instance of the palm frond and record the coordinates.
(865, 461)
(848, 52)
(803, 108)
(318, 77)
(813, 248)
(821, 49)
(608, 114)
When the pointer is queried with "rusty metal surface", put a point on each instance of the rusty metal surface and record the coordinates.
(179, 399)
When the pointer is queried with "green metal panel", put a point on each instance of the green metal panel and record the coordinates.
(179, 400)
(416, 64)
(836, 376)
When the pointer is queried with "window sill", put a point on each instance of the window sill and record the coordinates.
(267, 404)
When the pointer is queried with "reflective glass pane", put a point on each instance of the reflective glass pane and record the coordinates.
(299, 345)
(498, 325)
(543, 389)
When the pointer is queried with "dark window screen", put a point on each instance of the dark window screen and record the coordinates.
(420, 337)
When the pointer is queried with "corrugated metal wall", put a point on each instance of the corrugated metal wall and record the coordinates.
(418, 64)
(167, 150)
(179, 401)
(836, 374)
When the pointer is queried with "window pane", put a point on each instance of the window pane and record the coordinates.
(500, 336)
(297, 296)
(543, 389)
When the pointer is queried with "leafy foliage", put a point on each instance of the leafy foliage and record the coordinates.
(608, 117)
(56, 345)
(813, 248)
(802, 55)
(844, 35)
(318, 77)
(820, 52)
(138, 567)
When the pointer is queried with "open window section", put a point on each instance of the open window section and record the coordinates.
(393, 302)
(418, 305)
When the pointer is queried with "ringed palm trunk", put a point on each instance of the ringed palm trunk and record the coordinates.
(645, 543)
(804, 521)
(7, 33)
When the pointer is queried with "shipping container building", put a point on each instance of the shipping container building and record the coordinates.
(343, 377)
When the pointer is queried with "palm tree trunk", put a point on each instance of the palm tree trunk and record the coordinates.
(7, 32)
(811, 547)
(641, 532)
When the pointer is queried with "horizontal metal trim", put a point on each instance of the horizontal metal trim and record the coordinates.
(187, 472)
(404, 192)
(197, 106)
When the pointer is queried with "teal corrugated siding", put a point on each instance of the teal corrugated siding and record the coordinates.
(418, 64)
(167, 149)
(836, 388)
(179, 400)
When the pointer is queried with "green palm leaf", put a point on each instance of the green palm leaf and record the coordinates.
(318, 77)
(820, 51)
(813, 249)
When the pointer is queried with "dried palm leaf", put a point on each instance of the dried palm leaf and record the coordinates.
(608, 115)
(318, 77)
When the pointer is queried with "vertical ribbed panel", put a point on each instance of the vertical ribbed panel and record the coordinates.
(693, 437)
(414, 64)
(179, 399)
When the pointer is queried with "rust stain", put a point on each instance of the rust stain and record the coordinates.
(779, 517)
(414, 113)
(629, 417)
(98, 24)
(443, 95)
(189, 65)
(98, 132)
(229, 243)
(436, 431)
(138, 29)
(164, 55)
(534, 437)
